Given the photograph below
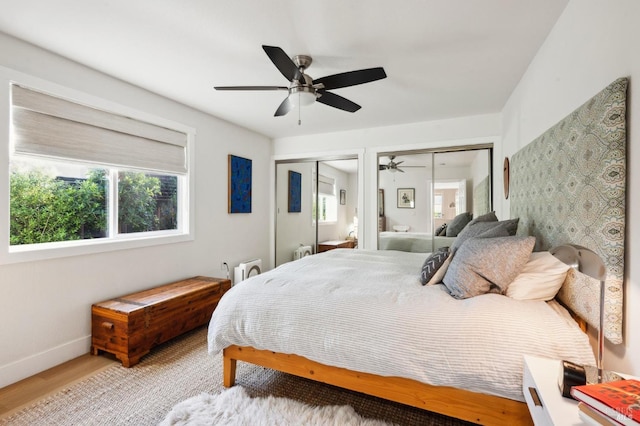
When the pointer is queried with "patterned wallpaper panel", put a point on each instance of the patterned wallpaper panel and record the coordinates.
(481, 198)
(568, 186)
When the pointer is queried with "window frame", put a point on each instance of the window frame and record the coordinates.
(32, 252)
(318, 198)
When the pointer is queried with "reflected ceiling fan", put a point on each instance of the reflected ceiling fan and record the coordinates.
(303, 90)
(393, 166)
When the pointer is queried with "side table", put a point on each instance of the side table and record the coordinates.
(540, 387)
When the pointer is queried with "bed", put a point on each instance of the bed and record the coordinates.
(416, 242)
(391, 337)
(350, 309)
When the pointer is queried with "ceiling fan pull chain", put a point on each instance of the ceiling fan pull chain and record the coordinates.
(299, 108)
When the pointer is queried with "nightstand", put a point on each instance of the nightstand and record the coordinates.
(540, 387)
(550, 407)
(330, 245)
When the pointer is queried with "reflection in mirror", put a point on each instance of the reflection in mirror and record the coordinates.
(325, 207)
(294, 229)
(431, 191)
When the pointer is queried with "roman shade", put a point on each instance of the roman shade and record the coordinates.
(326, 185)
(48, 126)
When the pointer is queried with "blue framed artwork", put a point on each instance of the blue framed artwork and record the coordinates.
(295, 192)
(239, 185)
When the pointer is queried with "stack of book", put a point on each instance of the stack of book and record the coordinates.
(611, 403)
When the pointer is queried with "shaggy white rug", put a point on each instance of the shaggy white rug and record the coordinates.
(234, 407)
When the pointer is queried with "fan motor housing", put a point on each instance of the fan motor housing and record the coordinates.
(302, 61)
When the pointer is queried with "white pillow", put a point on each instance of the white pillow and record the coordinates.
(540, 279)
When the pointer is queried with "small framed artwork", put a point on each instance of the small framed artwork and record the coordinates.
(239, 185)
(295, 192)
(406, 198)
(343, 197)
(380, 202)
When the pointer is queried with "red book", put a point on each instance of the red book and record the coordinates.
(594, 417)
(619, 400)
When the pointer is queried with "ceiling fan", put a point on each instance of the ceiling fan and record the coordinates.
(393, 166)
(303, 90)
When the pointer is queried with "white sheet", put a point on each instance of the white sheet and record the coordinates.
(367, 311)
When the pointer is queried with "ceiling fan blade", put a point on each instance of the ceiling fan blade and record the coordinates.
(399, 169)
(283, 62)
(383, 167)
(399, 162)
(284, 108)
(251, 88)
(337, 101)
(351, 78)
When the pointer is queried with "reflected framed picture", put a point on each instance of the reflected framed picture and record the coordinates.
(294, 204)
(239, 194)
(343, 197)
(406, 198)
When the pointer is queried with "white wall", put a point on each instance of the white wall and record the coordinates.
(351, 209)
(418, 218)
(593, 43)
(45, 305)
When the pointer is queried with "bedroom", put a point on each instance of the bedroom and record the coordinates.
(590, 46)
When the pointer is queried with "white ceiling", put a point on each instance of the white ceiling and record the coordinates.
(443, 58)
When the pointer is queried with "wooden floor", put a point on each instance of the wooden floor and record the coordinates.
(29, 390)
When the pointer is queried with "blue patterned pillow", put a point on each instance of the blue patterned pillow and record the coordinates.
(432, 264)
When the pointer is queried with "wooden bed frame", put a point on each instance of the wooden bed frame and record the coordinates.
(461, 404)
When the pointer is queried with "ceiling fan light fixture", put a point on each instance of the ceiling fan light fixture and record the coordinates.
(301, 95)
(306, 88)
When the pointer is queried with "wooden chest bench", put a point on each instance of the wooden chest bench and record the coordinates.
(129, 326)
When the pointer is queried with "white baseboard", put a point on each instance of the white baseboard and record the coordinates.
(34, 364)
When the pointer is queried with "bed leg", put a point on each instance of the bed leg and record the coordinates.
(229, 371)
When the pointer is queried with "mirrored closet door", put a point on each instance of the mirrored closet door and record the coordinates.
(424, 197)
(316, 207)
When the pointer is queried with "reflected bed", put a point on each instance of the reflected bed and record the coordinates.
(416, 242)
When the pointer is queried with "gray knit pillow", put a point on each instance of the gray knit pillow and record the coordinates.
(457, 224)
(487, 217)
(504, 228)
(487, 265)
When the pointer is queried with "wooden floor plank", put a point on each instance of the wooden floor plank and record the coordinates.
(31, 389)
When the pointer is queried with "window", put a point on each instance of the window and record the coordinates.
(328, 208)
(327, 200)
(79, 175)
(437, 205)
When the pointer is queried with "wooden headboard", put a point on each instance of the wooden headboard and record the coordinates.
(569, 186)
